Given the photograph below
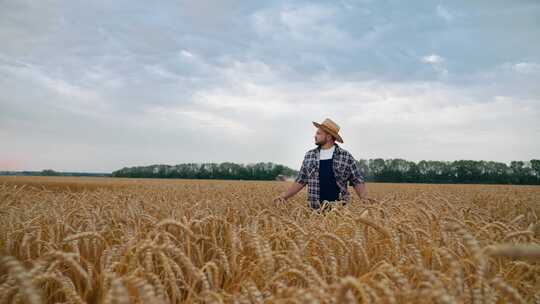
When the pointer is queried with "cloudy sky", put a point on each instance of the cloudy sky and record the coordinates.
(99, 85)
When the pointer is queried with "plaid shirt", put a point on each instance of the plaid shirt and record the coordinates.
(345, 170)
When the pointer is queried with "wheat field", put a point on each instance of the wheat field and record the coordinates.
(109, 240)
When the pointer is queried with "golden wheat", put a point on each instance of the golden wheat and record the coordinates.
(104, 240)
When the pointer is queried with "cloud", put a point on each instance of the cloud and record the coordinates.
(186, 54)
(437, 62)
(527, 67)
(433, 59)
(96, 86)
(444, 13)
(304, 26)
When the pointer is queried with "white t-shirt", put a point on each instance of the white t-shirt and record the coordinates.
(327, 153)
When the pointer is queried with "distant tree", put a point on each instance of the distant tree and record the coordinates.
(535, 165)
(49, 172)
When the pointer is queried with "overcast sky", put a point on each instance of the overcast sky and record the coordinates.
(99, 85)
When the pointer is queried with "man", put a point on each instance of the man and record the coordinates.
(327, 170)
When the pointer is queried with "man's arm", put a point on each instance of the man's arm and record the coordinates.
(356, 178)
(360, 189)
(299, 183)
(295, 188)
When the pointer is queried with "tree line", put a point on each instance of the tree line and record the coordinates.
(460, 171)
(375, 170)
(226, 170)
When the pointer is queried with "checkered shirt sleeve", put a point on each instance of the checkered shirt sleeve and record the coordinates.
(356, 175)
(302, 177)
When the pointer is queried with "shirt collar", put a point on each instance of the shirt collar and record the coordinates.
(336, 151)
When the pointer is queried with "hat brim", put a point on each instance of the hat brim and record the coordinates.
(338, 138)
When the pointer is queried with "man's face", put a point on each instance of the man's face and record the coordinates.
(321, 137)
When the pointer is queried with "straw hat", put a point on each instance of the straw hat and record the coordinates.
(331, 127)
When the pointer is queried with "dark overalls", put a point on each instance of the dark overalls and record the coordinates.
(329, 189)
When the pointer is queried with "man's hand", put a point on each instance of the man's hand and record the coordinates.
(360, 189)
(295, 187)
(280, 199)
